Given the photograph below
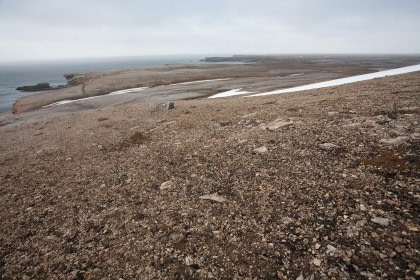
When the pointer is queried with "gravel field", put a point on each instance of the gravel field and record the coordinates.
(322, 184)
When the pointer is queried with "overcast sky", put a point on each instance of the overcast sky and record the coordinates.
(50, 29)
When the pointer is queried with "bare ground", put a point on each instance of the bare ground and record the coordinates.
(115, 192)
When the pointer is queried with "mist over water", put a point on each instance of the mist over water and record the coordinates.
(13, 75)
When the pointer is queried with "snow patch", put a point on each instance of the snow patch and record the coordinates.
(231, 92)
(344, 81)
(86, 98)
(126, 91)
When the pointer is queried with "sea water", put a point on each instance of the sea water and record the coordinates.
(13, 75)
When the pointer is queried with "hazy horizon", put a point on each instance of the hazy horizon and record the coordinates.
(35, 30)
(165, 56)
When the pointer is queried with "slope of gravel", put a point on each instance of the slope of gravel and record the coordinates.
(315, 185)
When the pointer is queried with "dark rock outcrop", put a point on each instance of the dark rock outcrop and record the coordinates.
(37, 87)
(74, 79)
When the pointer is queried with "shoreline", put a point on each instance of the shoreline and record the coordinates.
(266, 74)
(237, 92)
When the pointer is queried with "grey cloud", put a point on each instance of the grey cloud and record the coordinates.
(36, 29)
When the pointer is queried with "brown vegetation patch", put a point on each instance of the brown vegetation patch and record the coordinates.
(102, 119)
(269, 103)
(138, 138)
(389, 160)
(223, 124)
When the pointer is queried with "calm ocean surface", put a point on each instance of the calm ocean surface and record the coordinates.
(21, 74)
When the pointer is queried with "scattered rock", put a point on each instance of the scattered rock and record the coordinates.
(399, 249)
(214, 197)
(394, 141)
(249, 115)
(169, 105)
(327, 146)
(415, 136)
(381, 221)
(261, 150)
(316, 262)
(189, 261)
(166, 185)
(333, 270)
(162, 106)
(331, 249)
(352, 125)
(277, 124)
(411, 228)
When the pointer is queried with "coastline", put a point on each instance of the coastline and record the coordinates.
(266, 73)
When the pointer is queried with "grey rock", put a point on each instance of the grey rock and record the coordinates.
(277, 124)
(331, 249)
(189, 260)
(169, 105)
(381, 221)
(327, 146)
(261, 150)
(161, 106)
(214, 197)
(394, 141)
(166, 185)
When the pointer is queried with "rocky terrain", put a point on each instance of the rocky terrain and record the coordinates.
(254, 73)
(321, 184)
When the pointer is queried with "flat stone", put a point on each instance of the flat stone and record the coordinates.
(316, 262)
(331, 249)
(261, 150)
(214, 197)
(166, 185)
(327, 146)
(277, 124)
(381, 221)
(394, 141)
